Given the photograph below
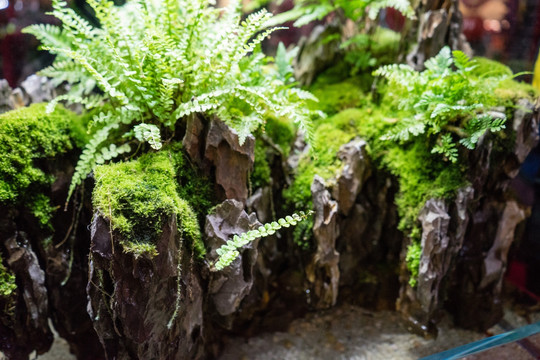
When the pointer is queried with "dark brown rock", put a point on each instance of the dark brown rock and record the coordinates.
(315, 55)
(132, 299)
(27, 328)
(261, 202)
(434, 260)
(323, 271)
(496, 260)
(232, 161)
(356, 169)
(525, 124)
(230, 286)
(193, 140)
(439, 24)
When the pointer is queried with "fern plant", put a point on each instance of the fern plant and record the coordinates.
(449, 105)
(156, 62)
(306, 11)
(229, 252)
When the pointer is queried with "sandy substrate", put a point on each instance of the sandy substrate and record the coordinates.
(352, 333)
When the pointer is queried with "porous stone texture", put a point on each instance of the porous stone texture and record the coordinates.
(323, 271)
(24, 328)
(232, 161)
(216, 149)
(356, 169)
(439, 23)
(465, 242)
(132, 299)
(230, 286)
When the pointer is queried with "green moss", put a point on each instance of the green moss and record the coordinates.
(139, 196)
(302, 233)
(490, 68)
(334, 98)
(7, 281)
(509, 91)
(421, 176)
(191, 185)
(28, 137)
(282, 133)
(261, 169)
(325, 164)
(414, 252)
(385, 45)
(139, 249)
(41, 207)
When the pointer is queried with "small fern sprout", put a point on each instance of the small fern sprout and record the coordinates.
(229, 252)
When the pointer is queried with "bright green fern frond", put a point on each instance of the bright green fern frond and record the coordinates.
(403, 6)
(229, 252)
(158, 61)
(90, 156)
(49, 35)
(462, 61)
(148, 133)
(440, 65)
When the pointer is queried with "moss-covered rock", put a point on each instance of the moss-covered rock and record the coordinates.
(28, 138)
(139, 196)
(509, 90)
(261, 173)
(334, 98)
(7, 281)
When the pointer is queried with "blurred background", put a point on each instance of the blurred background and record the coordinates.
(504, 30)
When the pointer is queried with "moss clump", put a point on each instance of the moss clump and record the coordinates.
(139, 249)
(485, 67)
(325, 164)
(421, 176)
(334, 98)
(7, 281)
(28, 137)
(282, 133)
(509, 91)
(385, 45)
(414, 252)
(139, 196)
(262, 173)
(191, 185)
